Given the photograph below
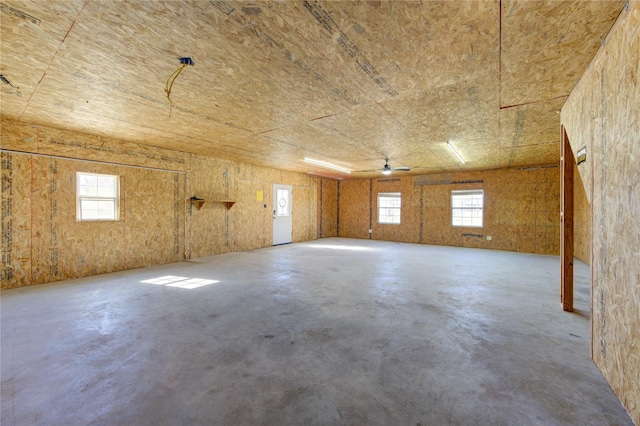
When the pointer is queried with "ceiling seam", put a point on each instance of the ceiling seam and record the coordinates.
(35, 89)
(534, 102)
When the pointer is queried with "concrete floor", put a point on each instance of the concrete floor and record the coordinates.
(335, 331)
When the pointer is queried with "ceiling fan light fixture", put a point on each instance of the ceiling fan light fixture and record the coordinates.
(455, 152)
(327, 165)
(386, 171)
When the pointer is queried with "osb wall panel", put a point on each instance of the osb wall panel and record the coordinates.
(304, 214)
(156, 199)
(521, 210)
(16, 215)
(354, 208)
(211, 227)
(46, 238)
(62, 247)
(602, 114)
(409, 213)
(328, 208)
(581, 220)
(254, 227)
(157, 222)
(40, 139)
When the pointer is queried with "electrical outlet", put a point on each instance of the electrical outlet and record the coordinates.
(371, 231)
(488, 237)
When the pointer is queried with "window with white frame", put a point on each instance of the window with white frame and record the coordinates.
(97, 197)
(389, 204)
(467, 208)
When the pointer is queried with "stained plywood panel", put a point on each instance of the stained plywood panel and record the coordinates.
(535, 68)
(601, 114)
(15, 172)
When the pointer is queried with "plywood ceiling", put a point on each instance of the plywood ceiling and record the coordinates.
(348, 82)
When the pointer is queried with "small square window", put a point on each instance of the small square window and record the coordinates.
(97, 197)
(389, 204)
(467, 208)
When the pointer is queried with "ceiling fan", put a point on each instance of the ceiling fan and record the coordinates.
(387, 169)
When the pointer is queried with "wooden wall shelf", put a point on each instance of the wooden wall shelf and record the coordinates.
(198, 202)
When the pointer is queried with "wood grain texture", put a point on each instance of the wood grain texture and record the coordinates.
(349, 82)
(522, 210)
(567, 165)
(43, 242)
(328, 208)
(601, 114)
(15, 201)
(533, 60)
(582, 220)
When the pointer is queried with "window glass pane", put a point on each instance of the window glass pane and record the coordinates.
(389, 204)
(88, 180)
(282, 200)
(97, 196)
(467, 208)
(106, 186)
(89, 209)
(88, 190)
(106, 209)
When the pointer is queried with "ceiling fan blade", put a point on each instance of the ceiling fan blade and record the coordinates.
(402, 168)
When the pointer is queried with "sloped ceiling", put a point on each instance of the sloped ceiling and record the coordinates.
(348, 82)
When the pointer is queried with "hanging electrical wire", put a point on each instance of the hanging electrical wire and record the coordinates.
(186, 61)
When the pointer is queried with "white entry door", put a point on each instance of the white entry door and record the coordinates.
(282, 222)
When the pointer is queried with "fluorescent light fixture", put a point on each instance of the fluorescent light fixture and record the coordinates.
(325, 164)
(455, 152)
